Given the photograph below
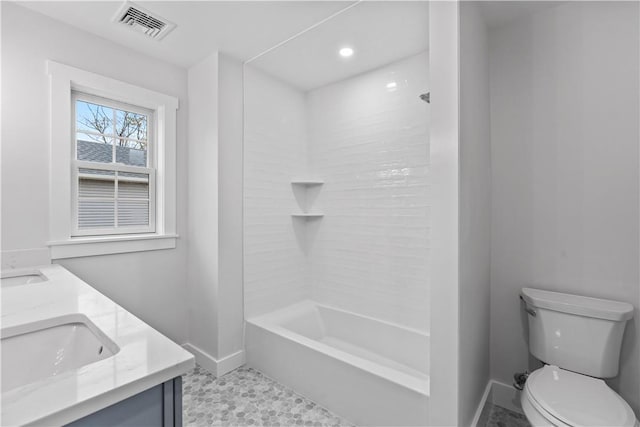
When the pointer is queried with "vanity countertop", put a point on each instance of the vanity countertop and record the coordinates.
(145, 358)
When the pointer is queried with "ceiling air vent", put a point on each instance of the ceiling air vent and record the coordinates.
(143, 21)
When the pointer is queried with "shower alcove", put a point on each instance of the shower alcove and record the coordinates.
(336, 213)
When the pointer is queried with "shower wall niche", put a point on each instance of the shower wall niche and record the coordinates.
(336, 181)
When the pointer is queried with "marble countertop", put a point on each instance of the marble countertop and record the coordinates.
(145, 358)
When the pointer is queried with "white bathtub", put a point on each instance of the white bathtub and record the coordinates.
(371, 372)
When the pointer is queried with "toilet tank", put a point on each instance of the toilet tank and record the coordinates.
(576, 333)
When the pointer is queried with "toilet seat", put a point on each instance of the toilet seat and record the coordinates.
(566, 398)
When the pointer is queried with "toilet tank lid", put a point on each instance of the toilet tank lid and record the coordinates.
(579, 305)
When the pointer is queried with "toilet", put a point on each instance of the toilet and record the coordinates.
(579, 341)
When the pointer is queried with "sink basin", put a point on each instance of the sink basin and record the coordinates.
(16, 279)
(44, 349)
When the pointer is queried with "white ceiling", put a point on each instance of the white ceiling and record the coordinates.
(242, 29)
(379, 32)
(497, 13)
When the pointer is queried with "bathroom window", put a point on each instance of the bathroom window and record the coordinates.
(113, 165)
(113, 183)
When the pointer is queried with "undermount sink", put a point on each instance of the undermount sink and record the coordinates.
(16, 279)
(44, 349)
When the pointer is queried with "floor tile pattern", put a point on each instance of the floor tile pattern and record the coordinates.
(245, 397)
(502, 417)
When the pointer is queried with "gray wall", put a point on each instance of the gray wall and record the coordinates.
(202, 262)
(230, 166)
(475, 210)
(214, 264)
(149, 284)
(564, 129)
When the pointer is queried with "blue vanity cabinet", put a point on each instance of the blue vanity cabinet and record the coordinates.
(159, 406)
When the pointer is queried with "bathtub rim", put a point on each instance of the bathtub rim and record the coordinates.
(310, 302)
(420, 385)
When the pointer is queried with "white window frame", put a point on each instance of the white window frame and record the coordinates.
(149, 169)
(64, 80)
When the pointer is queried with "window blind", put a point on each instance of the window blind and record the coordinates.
(112, 199)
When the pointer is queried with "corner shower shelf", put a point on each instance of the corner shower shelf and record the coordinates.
(307, 182)
(307, 215)
(306, 190)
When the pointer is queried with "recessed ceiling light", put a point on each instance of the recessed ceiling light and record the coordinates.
(346, 52)
(392, 85)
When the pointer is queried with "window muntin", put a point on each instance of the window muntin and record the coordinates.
(111, 132)
(113, 183)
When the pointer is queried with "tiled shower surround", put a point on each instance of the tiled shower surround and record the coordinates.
(367, 138)
(275, 269)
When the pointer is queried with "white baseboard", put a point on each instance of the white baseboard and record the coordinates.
(217, 367)
(486, 397)
(230, 362)
(506, 396)
(22, 258)
(499, 394)
(203, 358)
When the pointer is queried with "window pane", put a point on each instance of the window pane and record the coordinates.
(104, 173)
(95, 213)
(90, 187)
(110, 136)
(93, 148)
(133, 190)
(93, 117)
(135, 176)
(131, 125)
(132, 153)
(133, 212)
(96, 193)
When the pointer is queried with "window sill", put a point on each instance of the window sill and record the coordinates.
(104, 245)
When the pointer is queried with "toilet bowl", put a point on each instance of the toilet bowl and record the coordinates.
(579, 339)
(556, 397)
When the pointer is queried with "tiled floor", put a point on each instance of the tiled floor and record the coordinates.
(245, 397)
(501, 417)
